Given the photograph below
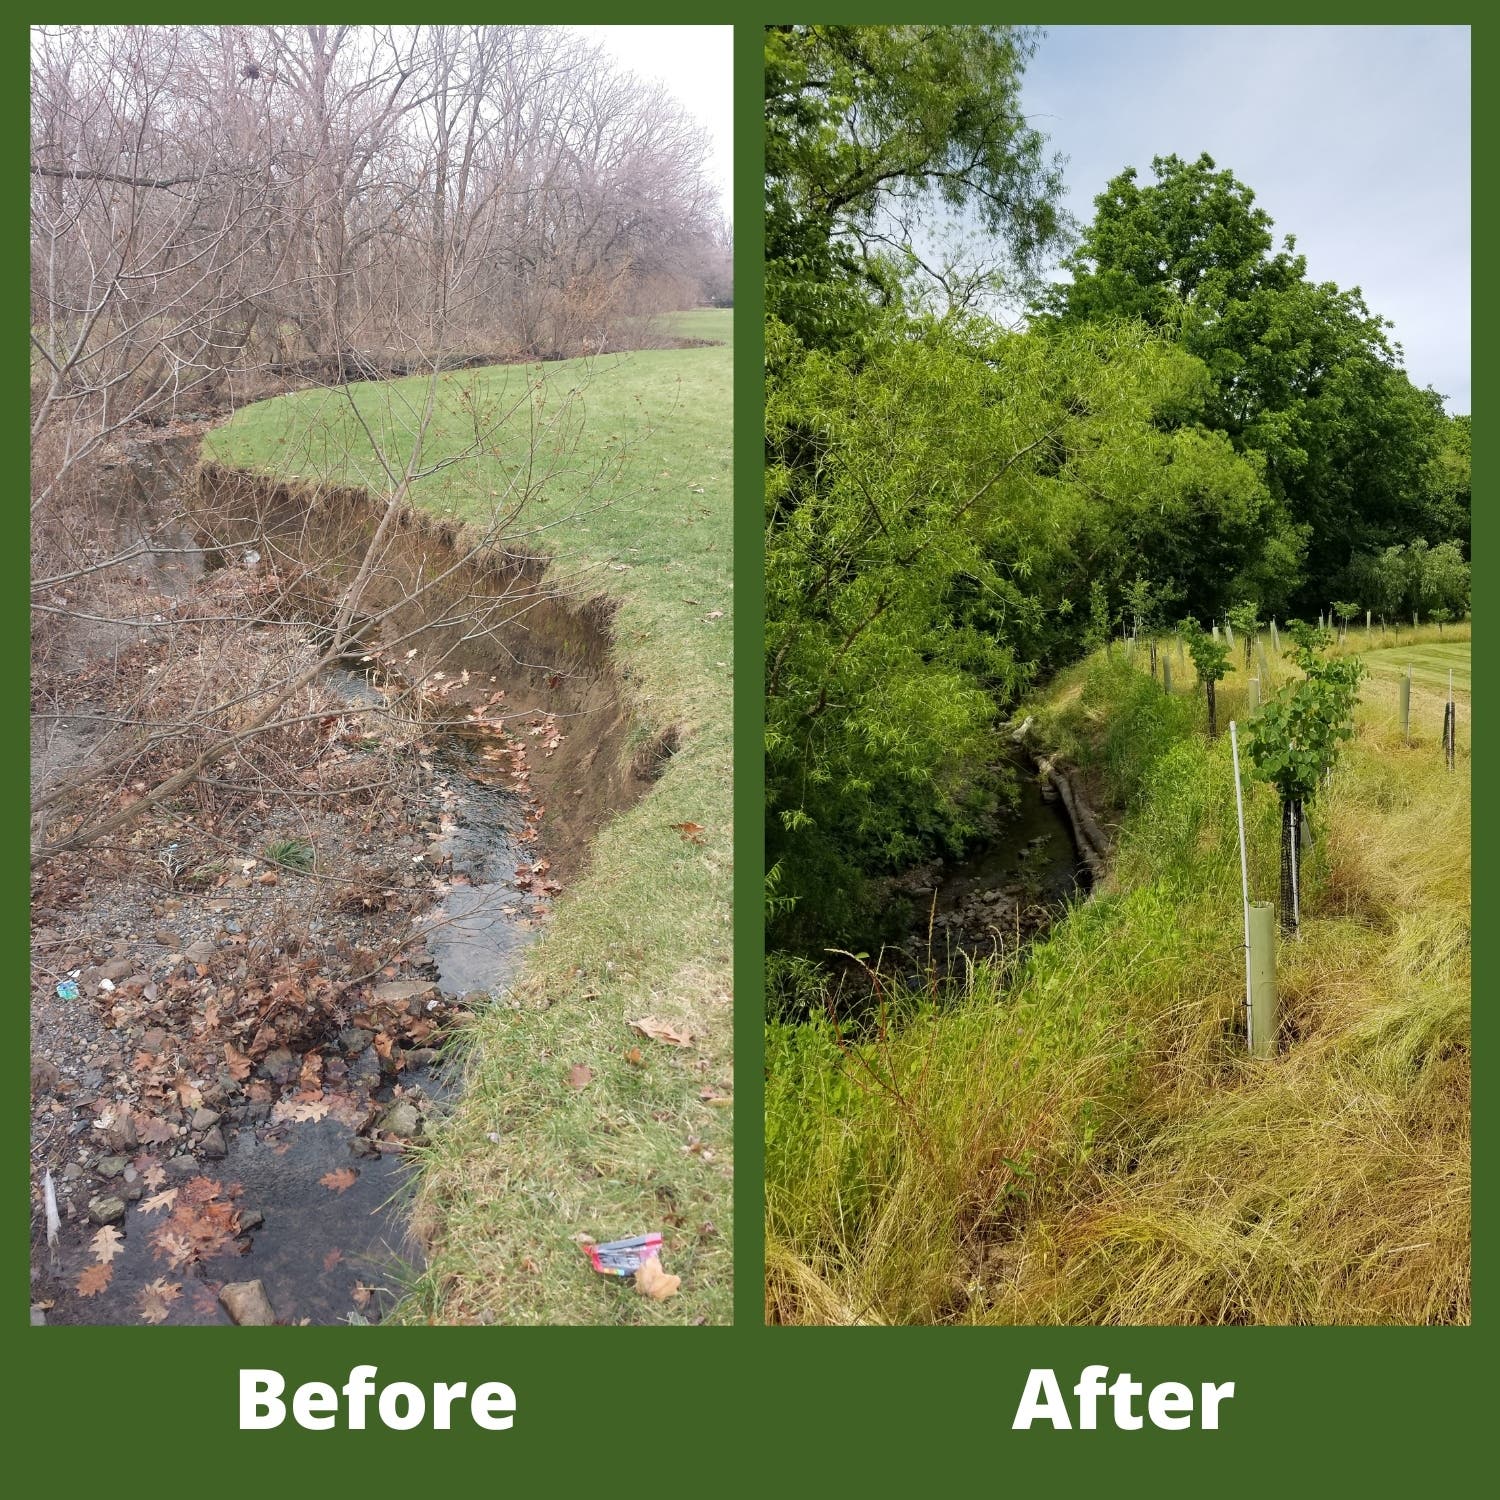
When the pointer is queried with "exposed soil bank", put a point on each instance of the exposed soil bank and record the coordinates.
(488, 613)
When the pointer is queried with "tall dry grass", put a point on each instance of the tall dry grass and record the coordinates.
(1085, 1141)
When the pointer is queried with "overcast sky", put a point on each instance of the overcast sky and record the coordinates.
(1354, 138)
(696, 63)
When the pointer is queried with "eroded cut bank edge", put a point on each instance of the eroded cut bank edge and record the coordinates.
(551, 650)
(487, 1260)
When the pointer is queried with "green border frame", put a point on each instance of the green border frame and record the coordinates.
(604, 1411)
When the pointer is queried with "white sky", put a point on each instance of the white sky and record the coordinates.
(696, 65)
(1355, 139)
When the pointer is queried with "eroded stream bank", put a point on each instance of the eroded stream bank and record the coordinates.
(264, 974)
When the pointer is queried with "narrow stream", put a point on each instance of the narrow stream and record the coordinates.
(324, 1254)
(999, 893)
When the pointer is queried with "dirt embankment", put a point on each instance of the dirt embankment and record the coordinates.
(467, 618)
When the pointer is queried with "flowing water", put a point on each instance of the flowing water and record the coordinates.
(324, 1254)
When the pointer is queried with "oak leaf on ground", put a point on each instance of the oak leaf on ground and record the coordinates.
(106, 1244)
(340, 1181)
(156, 1299)
(95, 1279)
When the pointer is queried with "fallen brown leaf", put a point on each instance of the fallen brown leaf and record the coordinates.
(651, 1281)
(159, 1201)
(691, 833)
(634, 1057)
(340, 1181)
(580, 1075)
(94, 1280)
(332, 1259)
(106, 1244)
(661, 1031)
(156, 1299)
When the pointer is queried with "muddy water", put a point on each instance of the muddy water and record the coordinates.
(324, 1255)
(999, 897)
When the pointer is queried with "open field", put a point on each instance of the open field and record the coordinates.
(628, 462)
(1430, 664)
(1082, 1139)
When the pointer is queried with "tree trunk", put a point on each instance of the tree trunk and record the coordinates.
(1213, 712)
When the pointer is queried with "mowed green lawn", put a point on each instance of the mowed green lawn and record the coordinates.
(634, 453)
(1430, 664)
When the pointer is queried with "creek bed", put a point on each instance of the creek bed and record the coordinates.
(313, 1206)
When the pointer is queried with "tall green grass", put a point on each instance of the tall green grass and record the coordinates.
(1083, 1139)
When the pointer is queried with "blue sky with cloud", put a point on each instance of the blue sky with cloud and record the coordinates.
(1354, 138)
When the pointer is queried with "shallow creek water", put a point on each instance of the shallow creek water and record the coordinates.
(991, 903)
(327, 1256)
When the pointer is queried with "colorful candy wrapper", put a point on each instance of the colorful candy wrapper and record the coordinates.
(624, 1257)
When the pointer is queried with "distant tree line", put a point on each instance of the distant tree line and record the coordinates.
(211, 198)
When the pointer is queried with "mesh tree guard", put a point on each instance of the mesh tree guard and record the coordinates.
(1291, 856)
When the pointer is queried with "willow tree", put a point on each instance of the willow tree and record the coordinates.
(872, 130)
(936, 503)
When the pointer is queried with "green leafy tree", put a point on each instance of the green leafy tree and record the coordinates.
(1211, 659)
(1245, 618)
(912, 562)
(1305, 638)
(1445, 503)
(871, 128)
(1293, 744)
(1097, 632)
(1143, 609)
(1444, 580)
(1344, 611)
(1302, 374)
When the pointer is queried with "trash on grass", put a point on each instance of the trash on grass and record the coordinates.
(624, 1257)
